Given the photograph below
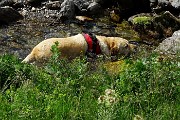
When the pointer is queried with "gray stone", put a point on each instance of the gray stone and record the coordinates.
(170, 45)
(6, 3)
(13, 3)
(166, 5)
(176, 4)
(81, 4)
(173, 3)
(8, 14)
(94, 8)
(67, 10)
(55, 5)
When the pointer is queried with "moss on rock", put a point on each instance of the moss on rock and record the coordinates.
(143, 20)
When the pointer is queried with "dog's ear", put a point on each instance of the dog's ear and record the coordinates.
(112, 45)
(113, 52)
(113, 49)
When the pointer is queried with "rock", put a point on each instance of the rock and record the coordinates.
(24, 12)
(175, 4)
(165, 5)
(176, 34)
(83, 18)
(55, 5)
(34, 2)
(102, 2)
(67, 10)
(166, 24)
(94, 8)
(6, 3)
(155, 26)
(170, 45)
(82, 4)
(8, 14)
(131, 19)
(12, 3)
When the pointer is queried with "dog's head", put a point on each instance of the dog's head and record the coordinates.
(122, 47)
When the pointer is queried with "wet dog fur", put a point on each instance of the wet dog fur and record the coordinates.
(74, 46)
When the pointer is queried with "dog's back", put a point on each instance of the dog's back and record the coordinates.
(69, 47)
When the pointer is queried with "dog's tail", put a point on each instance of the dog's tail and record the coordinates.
(29, 58)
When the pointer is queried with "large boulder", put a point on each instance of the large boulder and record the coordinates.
(6, 3)
(165, 5)
(12, 3)
(67, 10)
(170, 45)
(71, 8)
(8, 15)
(94, 8)
(155, 26)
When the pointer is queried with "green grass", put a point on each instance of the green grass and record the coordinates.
(68, 90)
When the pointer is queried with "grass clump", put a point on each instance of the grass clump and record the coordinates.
(147, 89)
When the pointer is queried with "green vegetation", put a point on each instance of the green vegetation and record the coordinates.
(149, 88)
(125, 30)
(143, 20)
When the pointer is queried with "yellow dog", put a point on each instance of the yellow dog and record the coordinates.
(71, 47)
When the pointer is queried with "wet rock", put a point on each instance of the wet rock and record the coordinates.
(170, 45)
(102, 2)
(70, 8)
(166, 24)
(81, 4)
(54, 5)
(143, 24)
(155, 26)
(165, 5)
(13, 3)
(6, 3)
(8, 14)
(35, 2)
(67, 10)
(94, 8)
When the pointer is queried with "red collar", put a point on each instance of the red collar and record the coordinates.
(90, 44)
